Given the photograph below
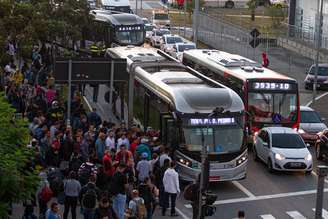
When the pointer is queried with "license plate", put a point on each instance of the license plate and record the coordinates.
(296, 164)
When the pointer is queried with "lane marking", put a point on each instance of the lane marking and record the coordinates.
(181, 213)
(243, 189)
(264, 197)
(324, 213)
(267, 216)
(295, 214)
(317, 98)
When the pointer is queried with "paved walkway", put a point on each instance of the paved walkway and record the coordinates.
(321, 106)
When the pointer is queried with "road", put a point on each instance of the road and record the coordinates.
(263, 194)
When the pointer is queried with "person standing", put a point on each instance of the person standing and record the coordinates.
(72, 189)
(53, 211)
(159, 181)
(265, 60)
(88, 198)
(171, 188)
(146, 193)
(143, 167)
(241, 215)
(164, 156)
(136, 209)
(110, 141)
(100, 146)
(105, 210)
(119, 186)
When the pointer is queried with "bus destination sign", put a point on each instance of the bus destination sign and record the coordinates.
(212, 121)
(271, 86)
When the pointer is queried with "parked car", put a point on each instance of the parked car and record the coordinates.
(179, 48)
(156, 37)
(310, 125)
(321, 145)
(282, 149)
(322, 79)
(168, 41)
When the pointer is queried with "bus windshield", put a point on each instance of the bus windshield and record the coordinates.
(219, 139)
(130, 37)
(272, 107)
(161, 16)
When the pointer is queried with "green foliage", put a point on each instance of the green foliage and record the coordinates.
(18, 179)
(277, 13)
(191, 5)
(252, 4)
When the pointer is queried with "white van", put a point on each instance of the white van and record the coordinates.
(116, 5)
(161, 19)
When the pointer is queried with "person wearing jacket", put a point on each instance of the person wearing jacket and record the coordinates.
(171, 188)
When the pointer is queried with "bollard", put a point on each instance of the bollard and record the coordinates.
(322, 173)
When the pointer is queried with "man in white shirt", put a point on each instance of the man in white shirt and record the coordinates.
(110, 141)
(171, 188)
(123, 140)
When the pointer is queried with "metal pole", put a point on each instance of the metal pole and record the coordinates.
(136, 7)
(201, 187)
(131, 93)
(195, 21)
(322, 173)
(141, 8)
(318, 44)
(111, 87)
(185, 16)
(69, 92)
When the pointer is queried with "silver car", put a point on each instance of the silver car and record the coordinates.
(310, 124)
(322, 79)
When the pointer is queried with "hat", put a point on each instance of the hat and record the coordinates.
(144, 155)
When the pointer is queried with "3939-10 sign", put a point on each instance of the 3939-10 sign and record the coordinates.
(271, 86)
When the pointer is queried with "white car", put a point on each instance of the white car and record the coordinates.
(155, 39)
(282, 149)
(168, 41)
(179, 48)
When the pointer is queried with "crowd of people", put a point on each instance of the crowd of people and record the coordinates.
(107, 169)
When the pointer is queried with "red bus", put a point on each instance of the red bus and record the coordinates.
(270, 98)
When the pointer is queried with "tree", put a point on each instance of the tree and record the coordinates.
(191, 5)
(252, 4)
(277, 13)
(18, 179)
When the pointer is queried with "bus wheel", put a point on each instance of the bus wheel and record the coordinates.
(229, 4)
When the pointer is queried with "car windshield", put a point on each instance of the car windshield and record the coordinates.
(219, 139)
(161, 32)
(173, 40)
(182, 48)
(273, 107)
(149, 27)
(310, 117)
(322, 71)
(161, 16)
(283, 140)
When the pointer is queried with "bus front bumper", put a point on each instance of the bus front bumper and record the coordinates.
(216, 175)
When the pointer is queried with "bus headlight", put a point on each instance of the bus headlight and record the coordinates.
(185, 162)
(241, 160)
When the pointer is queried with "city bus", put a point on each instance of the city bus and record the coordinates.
(179, 101)
(116, 5)
(270, 98)
(112, 28)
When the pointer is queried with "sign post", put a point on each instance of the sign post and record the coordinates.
(69, 92)
(322, 173)
(255, 41)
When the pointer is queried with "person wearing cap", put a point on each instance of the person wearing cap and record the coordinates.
(133, 204)
(143, 148)
(143, 167)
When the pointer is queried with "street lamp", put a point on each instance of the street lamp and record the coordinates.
(205, 164)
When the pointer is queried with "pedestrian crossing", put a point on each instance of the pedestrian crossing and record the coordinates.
(293, 214)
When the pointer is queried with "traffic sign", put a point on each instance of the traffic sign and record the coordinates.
(254, 42)
(90, 70)
(255, 33)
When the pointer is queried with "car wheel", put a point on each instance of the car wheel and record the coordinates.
(318, 152)
(256, 157)
(270, 167)
(229, 4)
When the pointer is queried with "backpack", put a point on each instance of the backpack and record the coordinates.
(141, 209)
(89, 199)
(188, 192)
(46, 194)
(85, 173)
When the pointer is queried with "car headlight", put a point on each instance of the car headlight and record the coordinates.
(185, 162)
(241, 160)
(279, 156)
(301, 131)
(308, 157)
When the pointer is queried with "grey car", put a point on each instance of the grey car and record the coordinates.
(310, 124)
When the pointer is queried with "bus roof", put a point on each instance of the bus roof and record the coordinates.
(236, 65)
(115, 3)
(176, 85)
(117, 18)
